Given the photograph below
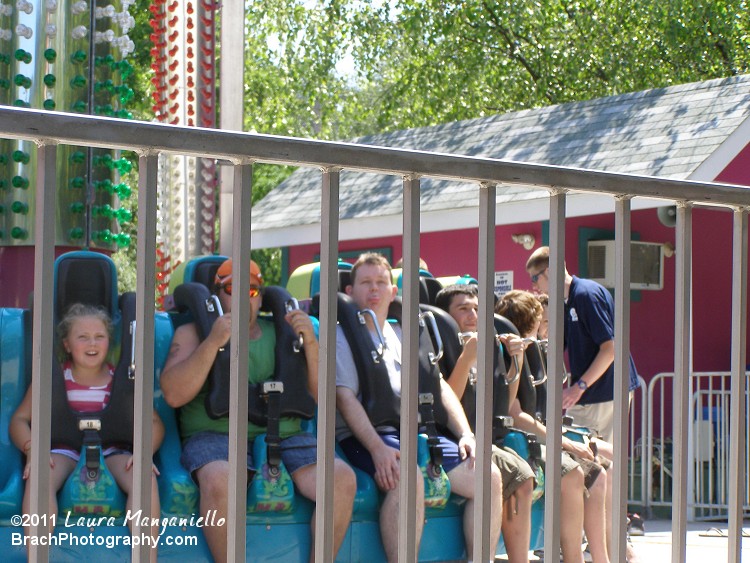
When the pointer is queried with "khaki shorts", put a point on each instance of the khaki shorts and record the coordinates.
(513, 469)
(570, 462)
(599, 418)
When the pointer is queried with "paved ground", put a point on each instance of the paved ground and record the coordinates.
(706, 543)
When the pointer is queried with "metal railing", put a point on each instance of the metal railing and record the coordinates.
(242, 150)
(637, 434)
(709, 445)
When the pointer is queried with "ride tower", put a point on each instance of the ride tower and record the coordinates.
(71, 56)
(183, 62)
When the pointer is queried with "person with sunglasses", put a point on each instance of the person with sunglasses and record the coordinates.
(590, 341)
(205, 450)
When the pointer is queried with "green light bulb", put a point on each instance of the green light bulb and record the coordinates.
(22, 81)
(22, 56)
(4, 83)
(50, 54)
(79, 56)
(49, 80)
(123, 215)
(19, 207)
(78, 81)
(122, 240)
(20, 182)
(105, 85)
(19, 233)
(76, 233)
(49, 104)
(126, 69)
(21, 156)
(123, 191)
(106, 109)
(77, 182)
(77, 207)
(79, 107)
(105, 185)
(21, 104)
(124, 165)
(77, 157)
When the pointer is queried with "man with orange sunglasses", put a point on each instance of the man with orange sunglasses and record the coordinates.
(205, 451)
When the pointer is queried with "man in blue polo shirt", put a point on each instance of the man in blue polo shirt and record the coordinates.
(590, 341)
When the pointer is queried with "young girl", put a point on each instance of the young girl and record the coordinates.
(85, 335)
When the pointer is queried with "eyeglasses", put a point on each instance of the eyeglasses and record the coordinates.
(227, 287)
(535, 277)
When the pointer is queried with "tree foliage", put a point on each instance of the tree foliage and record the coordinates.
(338, 69)
(443, 60)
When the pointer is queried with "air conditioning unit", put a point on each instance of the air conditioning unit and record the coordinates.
(646, 264)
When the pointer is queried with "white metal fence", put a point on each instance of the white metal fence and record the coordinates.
(709, 447)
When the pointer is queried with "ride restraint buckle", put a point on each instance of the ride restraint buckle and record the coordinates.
(92, 445)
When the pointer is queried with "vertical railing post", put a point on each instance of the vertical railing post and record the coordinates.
(554, 391)
(737, 429)
(622, 376)
(148, 171)
(407, 541)
(42, 342)
(485, 366)
(681, 398)
(329, 244)
(231, 116)
(239, 361)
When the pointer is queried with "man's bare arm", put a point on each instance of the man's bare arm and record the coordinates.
(459, 377)
(190, 360)
(602, 361)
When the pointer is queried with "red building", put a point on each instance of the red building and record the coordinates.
(697, 131)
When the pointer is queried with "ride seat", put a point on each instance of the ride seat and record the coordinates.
(15, 358)
(91, 278)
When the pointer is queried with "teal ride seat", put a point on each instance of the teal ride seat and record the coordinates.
(14, 371)
(178, 492)
(91, 278)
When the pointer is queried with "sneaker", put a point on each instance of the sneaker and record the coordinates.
(635, 525)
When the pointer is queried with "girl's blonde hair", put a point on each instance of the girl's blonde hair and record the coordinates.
(77, 311)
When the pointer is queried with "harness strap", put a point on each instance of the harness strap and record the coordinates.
(426, 401)
(272, 391)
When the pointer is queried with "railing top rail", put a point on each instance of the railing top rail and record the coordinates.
(76, 129)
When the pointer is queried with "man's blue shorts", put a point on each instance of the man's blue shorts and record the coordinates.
(202, 448)
(359, 457)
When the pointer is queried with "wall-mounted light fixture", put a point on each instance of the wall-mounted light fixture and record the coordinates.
(525, 239)
(668, 249)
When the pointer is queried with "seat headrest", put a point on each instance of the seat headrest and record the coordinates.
(428, 289)
(345, 279)
(202, 270)
(85, 277)
(504, 326)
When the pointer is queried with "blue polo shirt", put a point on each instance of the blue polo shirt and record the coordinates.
(590, 321)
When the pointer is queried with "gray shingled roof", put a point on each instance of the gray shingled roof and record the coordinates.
(666, 132)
